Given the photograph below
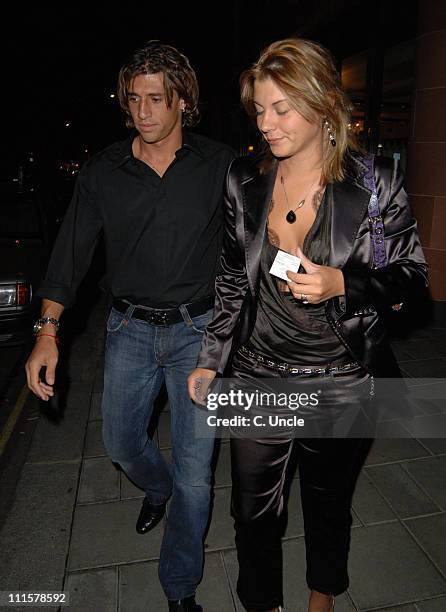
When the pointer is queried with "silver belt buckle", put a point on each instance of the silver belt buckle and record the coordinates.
(156, 317)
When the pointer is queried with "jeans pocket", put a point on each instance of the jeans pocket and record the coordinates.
(200, 323)
(114, 321)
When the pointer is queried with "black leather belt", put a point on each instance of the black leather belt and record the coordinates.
(289, 369)
(168, 316)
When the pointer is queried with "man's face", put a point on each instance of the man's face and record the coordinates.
(147, 105)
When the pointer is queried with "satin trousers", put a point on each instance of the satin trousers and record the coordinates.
(328, 470)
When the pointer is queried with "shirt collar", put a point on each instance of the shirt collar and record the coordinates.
(191, 143)
(124, 152)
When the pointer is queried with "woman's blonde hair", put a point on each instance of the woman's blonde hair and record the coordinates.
(306, 73)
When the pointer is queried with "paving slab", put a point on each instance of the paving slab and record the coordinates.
(369, 505)
(429, 533)
(166, 406)
(430, 406)
(425, 347)
(430, 475)
(94, 590)
(388, 568)
(223, 466)
(104, 534)
(401, 491)
(416, 407)
(436, 446)
(163, 430)
(94, 444)
(98, 384)
(63, 440)
(402, 351)
(81, 369)
(82, 358)
(128, 489)
(405, 608)
(214, 592)
(395, 449)
(99, 481)
(424, 368)
(427, 426)
(221, 531)
(95, 409)
(428, 397)
(139, 587)
(429, 331)
(35, 538)
(432, 605)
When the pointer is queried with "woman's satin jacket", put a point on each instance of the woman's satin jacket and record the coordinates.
(356, 318)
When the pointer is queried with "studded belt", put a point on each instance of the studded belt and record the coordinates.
(290, 369)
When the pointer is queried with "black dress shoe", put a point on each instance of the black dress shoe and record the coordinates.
(184, 605)
(149, 516)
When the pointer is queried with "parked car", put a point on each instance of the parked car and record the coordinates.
(25, 243)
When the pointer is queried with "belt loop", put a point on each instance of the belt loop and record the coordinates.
(128, 313)
(185, 314)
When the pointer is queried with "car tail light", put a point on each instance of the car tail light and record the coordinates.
(15, 294)
(23, 294)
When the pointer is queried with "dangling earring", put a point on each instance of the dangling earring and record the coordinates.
(330, 134)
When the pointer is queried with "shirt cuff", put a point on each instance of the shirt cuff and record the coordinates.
(60, 294)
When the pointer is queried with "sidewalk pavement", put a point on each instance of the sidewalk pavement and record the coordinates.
(72, 526)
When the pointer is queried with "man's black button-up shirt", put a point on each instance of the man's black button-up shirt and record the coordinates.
(162, 235)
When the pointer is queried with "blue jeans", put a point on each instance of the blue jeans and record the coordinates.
(138, 358)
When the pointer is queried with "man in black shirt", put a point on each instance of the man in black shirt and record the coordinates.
(156, 198)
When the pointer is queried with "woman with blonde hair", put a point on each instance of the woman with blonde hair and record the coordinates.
(313, 194)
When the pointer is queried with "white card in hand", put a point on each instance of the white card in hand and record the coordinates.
(284, 261)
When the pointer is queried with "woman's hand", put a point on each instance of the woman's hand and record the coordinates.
(318, 284)
(198, 384)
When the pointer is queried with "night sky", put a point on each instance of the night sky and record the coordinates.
(61, 60)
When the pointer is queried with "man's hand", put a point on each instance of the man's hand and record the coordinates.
(45, 353)
(318, 284)
(198, 384)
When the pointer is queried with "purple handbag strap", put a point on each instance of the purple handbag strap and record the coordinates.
(375, 219)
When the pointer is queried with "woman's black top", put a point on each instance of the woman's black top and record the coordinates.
(286, 330)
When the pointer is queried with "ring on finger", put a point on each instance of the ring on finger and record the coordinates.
(304, 298)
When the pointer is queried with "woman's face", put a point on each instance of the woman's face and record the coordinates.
(287, 132)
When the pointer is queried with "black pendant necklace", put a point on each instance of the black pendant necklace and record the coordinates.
(291, 214)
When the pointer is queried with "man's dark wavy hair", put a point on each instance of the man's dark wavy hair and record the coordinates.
(179, 76)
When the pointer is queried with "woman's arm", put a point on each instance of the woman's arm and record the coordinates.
(231, 285)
